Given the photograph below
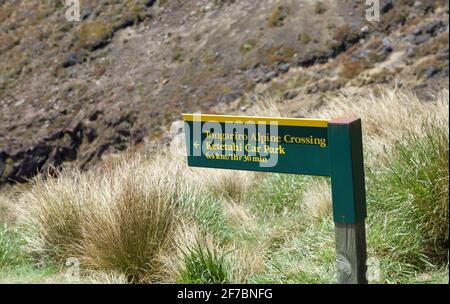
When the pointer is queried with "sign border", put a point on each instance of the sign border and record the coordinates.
(294, 122)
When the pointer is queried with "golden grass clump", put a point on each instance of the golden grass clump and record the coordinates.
(131, 220)
(51, 213)
(228, 183)
(117, 218)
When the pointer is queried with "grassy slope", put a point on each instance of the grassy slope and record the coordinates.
(245, 227)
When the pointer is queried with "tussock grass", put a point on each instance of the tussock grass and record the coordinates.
(153, 219)
(120, 217)
(202, 265)
(51, 215)
(408, 205)
(116, 219)
(126, 226)
(195, 258)
(225, 183)
(388, 116)
(406, 145)
(205, 209)
(266, 106)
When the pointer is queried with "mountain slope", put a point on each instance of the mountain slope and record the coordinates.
(73, 92)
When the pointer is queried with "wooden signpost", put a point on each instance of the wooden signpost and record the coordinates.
(319, 147)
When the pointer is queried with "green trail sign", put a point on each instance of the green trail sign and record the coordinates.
(320, 147)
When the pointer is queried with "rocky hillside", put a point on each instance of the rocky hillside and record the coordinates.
(71, 92)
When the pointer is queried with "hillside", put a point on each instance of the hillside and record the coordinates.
(73, 92)
(149, 218)
(94, 189)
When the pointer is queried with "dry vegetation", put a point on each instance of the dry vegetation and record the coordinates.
(276, 19)
(389, 116)
(150, 218)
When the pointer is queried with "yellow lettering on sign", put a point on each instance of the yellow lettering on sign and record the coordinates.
(311, 140)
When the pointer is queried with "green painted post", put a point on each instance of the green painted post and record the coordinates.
(341, 158)
(349, 199)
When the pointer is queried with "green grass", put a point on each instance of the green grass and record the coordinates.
(436, 276)
(277, 193)
(306, 257)
(11, 253)
(202, 265)
(206, 210)
(16, 264)
(248, 46)
(408, 207)
(407, 223)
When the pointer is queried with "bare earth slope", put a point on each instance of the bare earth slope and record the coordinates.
(73, 92)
